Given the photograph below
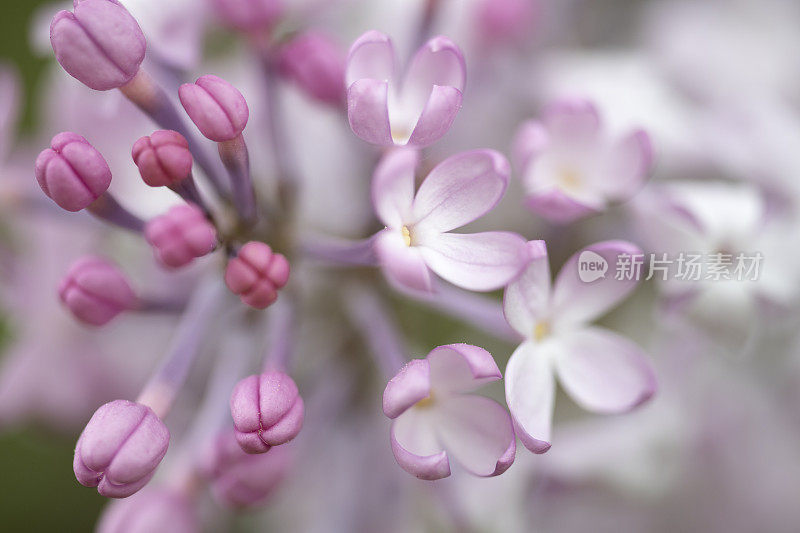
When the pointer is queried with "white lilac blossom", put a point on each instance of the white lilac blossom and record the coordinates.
(434, 419)
(569, 166)
(414, 110)
(602, 371)
(418, 237)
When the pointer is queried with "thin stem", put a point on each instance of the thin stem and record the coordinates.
(187, 189)
(340, 251)
(235, 157)
(425, 24)
(370, 316)
(280, 334)
(166, 382)
(107, 208)
(148, 96)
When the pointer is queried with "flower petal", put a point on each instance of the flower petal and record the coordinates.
(559, 208)
(393, 186)
(526, 300)
(460, 189)
(368, 111)
(478, 433)
(479, 261)
(403, 265)
(605, 372)
(531, 139)
(573, 121)
(411, 384)
(439, 62)
(530, 393)
(371, 57)
(437, 116)
(416, 447)
(576, 301)
(461, 368)
(629, 163)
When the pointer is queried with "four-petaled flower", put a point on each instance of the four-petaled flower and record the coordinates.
(434, 418)
(601, 370)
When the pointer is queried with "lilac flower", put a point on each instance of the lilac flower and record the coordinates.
(569, 167)
(435, 419)
(417, 237)
(256, 274)
(602, 371)
(416, 110)
(181, 235)
(314, 62)
(96, 291)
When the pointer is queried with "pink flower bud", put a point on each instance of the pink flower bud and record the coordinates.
(248, 15)
(180, 235)
(120, 448)
(100, 43)
(163, 158)
(267, 410)
(240, 479)
(71, 172)
(316, 64)
(96, 291)
(256, 274)
(149, 510)
(216, 107)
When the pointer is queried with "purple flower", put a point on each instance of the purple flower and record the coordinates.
(569, 167)
(99, 43)
(181, 235)
(120, 448)
(267, 411)
(216, 107)
(435, 419)
(602, 371)
(417, 237)
(315, 63)
(96, 291)
(256, 274)
(416, 110)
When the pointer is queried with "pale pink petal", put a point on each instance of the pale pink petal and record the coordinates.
(371, 57)
(437, 117)
(439, 62)
(605, 372)
(368, 111)
(403, 265)
(416, 447)
(477, 432)
(460, 189)
(531, 139)
(576, 301)
(461, 368)
(572, 121)
(526, 300)
(530, 393)
(629, 164)
(393, 186)
(560, 208)
(411, 384)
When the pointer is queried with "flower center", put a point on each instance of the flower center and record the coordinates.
(426, 403)
(541, 330)
(569, 179)
(406, 235)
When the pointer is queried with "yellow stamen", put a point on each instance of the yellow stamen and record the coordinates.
(541, 330)
(570, 179)
(425, 403)
(406, 235)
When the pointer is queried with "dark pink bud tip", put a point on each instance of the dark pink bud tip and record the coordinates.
(216, 107)
(240, 480)
(96, 291)
(180, 235)
(267, 410)
(248, 15)
(120, 448)
(71, 172)
(100, 43)
(316, 64)
(163, 158)
(256, 274)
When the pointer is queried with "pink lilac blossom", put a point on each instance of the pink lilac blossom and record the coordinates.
(181, 235)
(256, 274)
(96, 291)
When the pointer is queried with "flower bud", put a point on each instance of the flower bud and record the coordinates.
(180, 235)
(506, 21)
(316, 65)
(120, 448)
(248, 15)
(152, 509)
(216, 107)
(267, 410)
(256, 274)
(100, 43)
(72, 172)
(163, 158)
(96, 291)
(240, 479)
